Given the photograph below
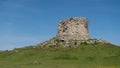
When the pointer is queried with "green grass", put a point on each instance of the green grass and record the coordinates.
(85, 56)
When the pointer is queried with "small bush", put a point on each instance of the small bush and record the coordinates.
(65, 57)
(90, 58)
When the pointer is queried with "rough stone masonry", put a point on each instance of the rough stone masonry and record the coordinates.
(72, 32)
(73, 29)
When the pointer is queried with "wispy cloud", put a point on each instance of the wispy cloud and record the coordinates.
(11, 4)
(13, 7)
(15, 3)
(10, 42)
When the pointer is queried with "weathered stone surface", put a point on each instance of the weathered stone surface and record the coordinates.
(73, 29)
(72, 32)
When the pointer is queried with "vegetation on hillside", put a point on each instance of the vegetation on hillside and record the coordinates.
(84, 56)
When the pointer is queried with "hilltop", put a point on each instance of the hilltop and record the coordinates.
(71, 48)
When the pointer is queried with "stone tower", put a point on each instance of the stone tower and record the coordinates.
(73, 29)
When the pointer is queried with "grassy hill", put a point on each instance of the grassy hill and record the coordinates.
(96, 55)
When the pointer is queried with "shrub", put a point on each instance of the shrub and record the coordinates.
(65, 57)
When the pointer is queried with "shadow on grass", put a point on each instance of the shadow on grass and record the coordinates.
(65, 57)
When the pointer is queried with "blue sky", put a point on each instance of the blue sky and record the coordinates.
(29, 22)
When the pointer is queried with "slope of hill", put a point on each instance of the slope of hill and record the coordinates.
(97, 55)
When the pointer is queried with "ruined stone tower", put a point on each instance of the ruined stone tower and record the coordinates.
(72, 32)
(73, 29)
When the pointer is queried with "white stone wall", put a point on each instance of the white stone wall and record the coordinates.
(73, 28)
